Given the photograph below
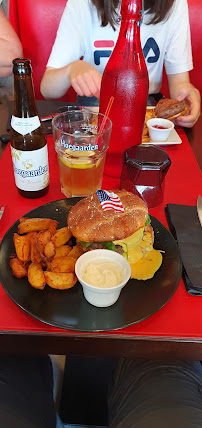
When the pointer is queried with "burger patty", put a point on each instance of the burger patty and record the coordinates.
(100, 246)
(167, 108)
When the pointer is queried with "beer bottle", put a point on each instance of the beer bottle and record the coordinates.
(27, 136)
(126, 79)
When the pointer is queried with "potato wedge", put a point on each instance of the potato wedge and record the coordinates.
(62, 251)
(52, 228)
(62, 264)
(61, 237)
(76, 251)
(22, 247)
(49, 250)
(36, 224)
(36, 276)
(35, 255)
(60, 281)
(42, 238)
(21, 219)
(19, 268)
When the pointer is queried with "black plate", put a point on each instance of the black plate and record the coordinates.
(68, 309)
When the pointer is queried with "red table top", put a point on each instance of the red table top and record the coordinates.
(181, 316)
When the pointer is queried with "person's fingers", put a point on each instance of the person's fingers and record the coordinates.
(188, 124)
(186, 121)
(91, 84)
(84, 85)
(77, 88)
(81, 87)
(97, 77)
(181, 96)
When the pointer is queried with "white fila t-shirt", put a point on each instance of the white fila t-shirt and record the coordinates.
(80, 35)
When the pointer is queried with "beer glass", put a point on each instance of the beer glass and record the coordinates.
(81, 142)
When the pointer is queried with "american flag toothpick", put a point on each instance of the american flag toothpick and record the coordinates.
(109, 201)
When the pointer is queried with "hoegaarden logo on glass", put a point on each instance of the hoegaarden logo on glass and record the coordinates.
(75, 148)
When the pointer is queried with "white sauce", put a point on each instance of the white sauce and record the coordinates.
(102, 274)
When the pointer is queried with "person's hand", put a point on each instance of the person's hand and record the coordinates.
(192, 98)
(85, 79)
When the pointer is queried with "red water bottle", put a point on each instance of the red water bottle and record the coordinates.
(126, 79)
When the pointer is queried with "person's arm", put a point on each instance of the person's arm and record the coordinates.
(10, 46)
(181, 89)
(83, 77)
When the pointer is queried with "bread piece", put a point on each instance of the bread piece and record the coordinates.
(88, 222)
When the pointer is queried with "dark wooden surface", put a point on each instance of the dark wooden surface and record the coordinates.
(110, 346)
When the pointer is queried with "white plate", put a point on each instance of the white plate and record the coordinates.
(172, 139)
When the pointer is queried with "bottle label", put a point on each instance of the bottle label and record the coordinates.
(31, 168)
(25, 125)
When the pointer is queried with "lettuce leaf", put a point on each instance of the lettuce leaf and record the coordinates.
(109, 245)
(85, 244)
(148, 220)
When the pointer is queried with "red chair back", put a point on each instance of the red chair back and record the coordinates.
(36, 23)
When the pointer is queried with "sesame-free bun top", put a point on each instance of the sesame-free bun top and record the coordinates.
(89, 223)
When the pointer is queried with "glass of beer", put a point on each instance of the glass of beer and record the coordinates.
(81, 142)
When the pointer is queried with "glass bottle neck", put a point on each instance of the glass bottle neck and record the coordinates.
(132, 9)
(129, 37)
(24, 99)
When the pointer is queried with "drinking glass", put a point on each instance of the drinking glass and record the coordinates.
(81, 142)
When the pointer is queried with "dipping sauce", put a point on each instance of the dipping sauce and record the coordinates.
(159, 127)
(102, 274)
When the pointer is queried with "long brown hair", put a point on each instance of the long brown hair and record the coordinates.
(158, 8)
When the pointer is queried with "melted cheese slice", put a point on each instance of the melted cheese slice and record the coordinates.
(131, 246)
(138, 249)
(146, 267)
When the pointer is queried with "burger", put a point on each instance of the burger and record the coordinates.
(129, 232)
(170, 109)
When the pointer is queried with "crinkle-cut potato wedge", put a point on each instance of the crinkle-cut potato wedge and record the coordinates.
(62, 264)
(36, 224)
(22, 247)
(19, 268)
(49, 250)
(76, 251)
(60, 281)
(36, 276)
(43, 237)
(61, 236)
(62, 251)
(35, 255)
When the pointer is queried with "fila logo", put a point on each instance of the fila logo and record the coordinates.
(102, 53)
(149, 47)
